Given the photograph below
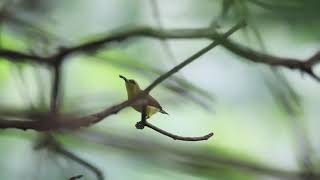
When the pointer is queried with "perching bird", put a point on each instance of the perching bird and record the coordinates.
(133, 89)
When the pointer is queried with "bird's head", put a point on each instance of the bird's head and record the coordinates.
(131, 85)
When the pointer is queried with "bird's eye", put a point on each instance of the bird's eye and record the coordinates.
(132, 81)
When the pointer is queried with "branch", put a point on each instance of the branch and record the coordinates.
(275, 6)
(144, 123)
(195, 56)
(157, 17)
(258, 57)
(75, 177)
(16, 56)
(54, 121)
(54, 145)
(176, 137)
(56, 87)
(206, 33)
(69, 123)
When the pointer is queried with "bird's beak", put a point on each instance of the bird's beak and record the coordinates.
(122, 77)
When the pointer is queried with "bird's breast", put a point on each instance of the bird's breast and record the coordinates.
(150, 110)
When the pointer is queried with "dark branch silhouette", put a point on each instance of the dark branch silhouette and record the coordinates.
(177, 137)
(262, 58)
(75, 177)
(56, 87)
(144, 123)
(50, 142)
(195, 56)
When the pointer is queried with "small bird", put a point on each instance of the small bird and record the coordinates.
(133, 90)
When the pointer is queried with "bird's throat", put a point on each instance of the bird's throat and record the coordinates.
(132, 91)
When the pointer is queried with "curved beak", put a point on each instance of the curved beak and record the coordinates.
(124, 78)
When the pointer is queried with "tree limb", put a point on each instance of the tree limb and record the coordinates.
(16, 56)
(258, 57)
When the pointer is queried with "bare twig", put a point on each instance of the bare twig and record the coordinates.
(157, 18)
(56, 87)
(75, 177)
(54, 145)
(195, 56)
(177, 137)
(276, 6)
(144, 123)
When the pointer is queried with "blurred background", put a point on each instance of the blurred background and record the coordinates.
(265, 119)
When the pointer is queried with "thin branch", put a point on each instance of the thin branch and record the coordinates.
(195, 56)
(276, 6)
(82, 162)
(22, 85)
(54, 145)
(157, 18)
(263, 58)
(56, 88)
(177, 137)
(75, 177)
(144, 123)
(258, 57)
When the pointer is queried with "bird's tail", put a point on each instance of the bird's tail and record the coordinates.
(164, 112)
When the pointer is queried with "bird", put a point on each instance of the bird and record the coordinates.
(133, 89)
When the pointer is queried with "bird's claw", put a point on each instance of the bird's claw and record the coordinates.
(140, 125)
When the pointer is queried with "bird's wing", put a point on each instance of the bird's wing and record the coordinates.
(153, 102)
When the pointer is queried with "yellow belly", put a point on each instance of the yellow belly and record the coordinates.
(150, 110)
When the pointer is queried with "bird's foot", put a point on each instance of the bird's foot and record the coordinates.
(140, 125)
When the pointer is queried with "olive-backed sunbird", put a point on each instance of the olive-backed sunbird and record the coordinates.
(133, 90)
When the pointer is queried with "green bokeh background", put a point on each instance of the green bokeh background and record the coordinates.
(219, 92)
